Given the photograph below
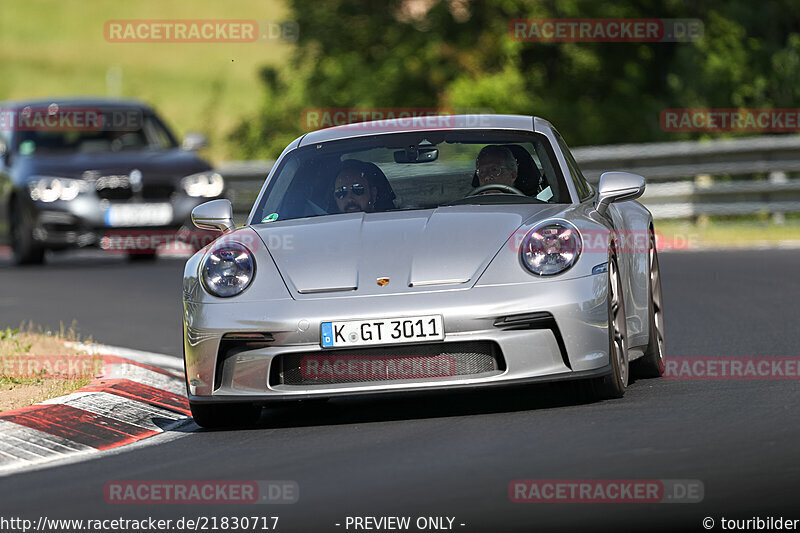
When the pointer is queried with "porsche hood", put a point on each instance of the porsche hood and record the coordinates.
(402, 251)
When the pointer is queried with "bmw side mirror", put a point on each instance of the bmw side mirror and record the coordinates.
(214, 215)
(617, 187)
(193, 141)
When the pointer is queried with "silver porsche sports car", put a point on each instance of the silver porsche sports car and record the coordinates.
(415, 254)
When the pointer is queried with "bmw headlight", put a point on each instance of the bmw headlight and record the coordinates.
(551, 248)
(203, 184)
(228, 269)
(49, 189)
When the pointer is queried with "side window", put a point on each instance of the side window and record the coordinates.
(584, 191)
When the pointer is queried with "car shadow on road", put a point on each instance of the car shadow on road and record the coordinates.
(420, 405)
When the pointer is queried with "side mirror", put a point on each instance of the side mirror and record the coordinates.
(214, 215)
(617, 187)
(194, 141)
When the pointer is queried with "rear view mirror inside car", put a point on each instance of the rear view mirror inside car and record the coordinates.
(416, 154)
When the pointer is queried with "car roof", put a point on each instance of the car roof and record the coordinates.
(425, 123)
(76, 101)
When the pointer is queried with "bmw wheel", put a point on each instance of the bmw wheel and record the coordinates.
(26, 251)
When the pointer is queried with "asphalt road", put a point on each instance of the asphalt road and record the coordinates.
(454, 455)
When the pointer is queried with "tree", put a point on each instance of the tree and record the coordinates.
(458, 54)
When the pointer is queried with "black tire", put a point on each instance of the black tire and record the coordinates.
(614, 384)
(229, 415)
(25, 250)
(652, 364)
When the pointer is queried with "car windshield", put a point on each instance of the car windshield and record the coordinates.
(87, 130)
(413, 170)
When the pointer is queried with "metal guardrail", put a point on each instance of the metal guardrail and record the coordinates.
(688, 199)
(679, 174)
(691, 165)
(661, 161)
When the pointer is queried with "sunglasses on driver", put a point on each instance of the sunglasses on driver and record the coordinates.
(356, 188)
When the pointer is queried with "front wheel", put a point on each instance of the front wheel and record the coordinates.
(614, 384)
(229, 415)
(26, 251)
(652, 364)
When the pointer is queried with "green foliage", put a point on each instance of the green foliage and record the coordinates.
(8, 334)
(458, 54)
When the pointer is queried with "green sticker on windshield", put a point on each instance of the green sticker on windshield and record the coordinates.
(271, 218)
(27, 147)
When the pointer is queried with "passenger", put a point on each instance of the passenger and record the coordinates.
(496, 165)
(352, 188)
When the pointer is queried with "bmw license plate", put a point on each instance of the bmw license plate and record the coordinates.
(123, 215)
(381, 331)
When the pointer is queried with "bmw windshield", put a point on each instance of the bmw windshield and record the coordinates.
(85, 130)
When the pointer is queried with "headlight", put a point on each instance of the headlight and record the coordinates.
(205, 184)
(551, 248)
(49, 189)
(228, 269)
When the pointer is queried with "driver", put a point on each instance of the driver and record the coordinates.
(496, 165)
(352, 188)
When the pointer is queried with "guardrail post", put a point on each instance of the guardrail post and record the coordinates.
(778, 176)
(703, 181)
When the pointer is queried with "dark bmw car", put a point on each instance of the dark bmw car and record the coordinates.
(75, 172)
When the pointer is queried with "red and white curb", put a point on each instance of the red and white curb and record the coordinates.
(138, 395)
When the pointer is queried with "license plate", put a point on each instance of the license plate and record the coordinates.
(381, 331)
(138, 215)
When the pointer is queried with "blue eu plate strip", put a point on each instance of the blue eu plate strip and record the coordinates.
(326, 332)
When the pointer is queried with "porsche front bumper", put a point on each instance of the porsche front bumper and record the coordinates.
(542, 332)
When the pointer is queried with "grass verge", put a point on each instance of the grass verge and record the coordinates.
(707, 233)
(60, 49)
(36, 365)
